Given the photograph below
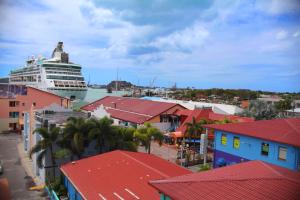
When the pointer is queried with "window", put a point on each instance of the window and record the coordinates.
(224, 139)
(282, 152)
(34, 104)
(23, 104)
(236, 142)
(13, 103)
(264, 149)
(13, 114)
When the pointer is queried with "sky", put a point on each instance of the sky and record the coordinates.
(238, 44)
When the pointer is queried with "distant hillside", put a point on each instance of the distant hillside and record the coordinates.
(119, 85)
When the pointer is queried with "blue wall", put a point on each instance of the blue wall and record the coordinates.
(26, 132)
(250, 149)
(164, 197)
(73, 194)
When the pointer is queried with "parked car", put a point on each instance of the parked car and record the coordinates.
(1, 167)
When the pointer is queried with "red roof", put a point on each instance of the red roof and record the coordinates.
(248, 180)
(285, 131)
(206, 114)
(131, 109)
(119, 172)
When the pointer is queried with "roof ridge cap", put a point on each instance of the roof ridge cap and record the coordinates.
(117, 109)
(292, 126)
(272, 169)
(145, 165)
(222, 180)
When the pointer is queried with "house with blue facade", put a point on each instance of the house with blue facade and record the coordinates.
(273, 141)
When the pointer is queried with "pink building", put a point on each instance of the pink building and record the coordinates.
(13, 104)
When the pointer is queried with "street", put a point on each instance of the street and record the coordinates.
(18, 180)
(167, 152)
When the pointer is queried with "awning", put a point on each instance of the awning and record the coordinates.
(176, 134)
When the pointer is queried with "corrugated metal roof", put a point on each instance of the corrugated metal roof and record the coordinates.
(130, 109)
(206, 114)
(120, 173)
(285, 131)
(249, 180)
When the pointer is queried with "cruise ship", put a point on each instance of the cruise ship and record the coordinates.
(56, 75)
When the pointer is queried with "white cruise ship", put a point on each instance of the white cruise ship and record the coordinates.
(56, 75)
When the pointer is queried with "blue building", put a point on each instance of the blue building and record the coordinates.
(273, 141)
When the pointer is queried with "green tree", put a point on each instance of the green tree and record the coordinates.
(103, 132)
(45, 145)
(283, 105)
(194, 129)
(74, 138)
(260, 110)
(125, 139)
(146, 134)
(224, 121)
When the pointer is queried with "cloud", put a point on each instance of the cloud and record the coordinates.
(187, 39)
(282, 34)
(277, 7)
(296, 34)
(195, 42)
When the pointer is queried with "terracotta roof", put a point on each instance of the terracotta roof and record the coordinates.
(285, 131)
(47, 92)
(206, 114)
(131, 109)
(248, 180)
(121, 173)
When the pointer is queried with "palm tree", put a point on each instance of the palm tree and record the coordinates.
(74, 137)
(224, 121)
(125, 139)
(146, 134)
(103, 132)
(45, 145)
(194, 129)
(260, 110)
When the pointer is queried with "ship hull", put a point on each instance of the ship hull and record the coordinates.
(69, 93)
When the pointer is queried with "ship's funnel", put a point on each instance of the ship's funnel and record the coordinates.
(59, 54)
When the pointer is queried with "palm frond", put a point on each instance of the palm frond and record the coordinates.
(54, 132)
(36, 148)
(43, 132)
(40, 158)
(78, 142)
(62, 153)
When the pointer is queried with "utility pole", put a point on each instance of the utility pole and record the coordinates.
(203, 146)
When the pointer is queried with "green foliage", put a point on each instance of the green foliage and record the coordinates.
(74, 136)
(204, 167)
(225, 94)
(49, 138)
(283, 105)
(260, 110)
(57, 185)
(147, 133)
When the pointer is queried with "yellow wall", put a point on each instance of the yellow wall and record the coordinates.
(4, 123)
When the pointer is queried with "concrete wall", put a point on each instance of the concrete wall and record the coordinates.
(250, 149)
(4, 123)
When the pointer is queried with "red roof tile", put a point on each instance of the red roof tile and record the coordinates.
(285, 131)
(120, 171)
(249, 180)
(131, 109)
(206, 114)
